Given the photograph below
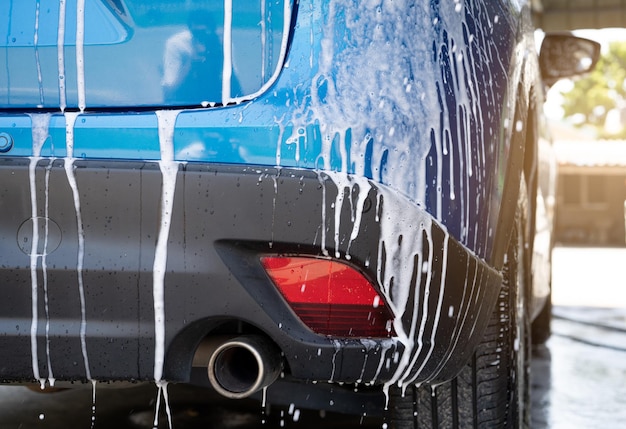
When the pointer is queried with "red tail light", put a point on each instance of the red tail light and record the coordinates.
(330, 297)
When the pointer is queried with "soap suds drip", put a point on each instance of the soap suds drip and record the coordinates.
(322, 182)
(80, 53)
(264, 19)
(93, 403)
(169, 170)
(40, 126)
(36, 46)
(61, 56)
(162, 396)
(346, 185)
(463, 313)
(70, 120)
(227, 71)
(44, 270)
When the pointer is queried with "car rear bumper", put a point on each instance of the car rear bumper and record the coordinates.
(84, 305)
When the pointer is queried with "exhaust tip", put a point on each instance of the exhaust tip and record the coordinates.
(242, 366)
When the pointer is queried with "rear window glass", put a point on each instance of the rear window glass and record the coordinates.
(126, 53)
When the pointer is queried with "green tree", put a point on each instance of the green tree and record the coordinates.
(600, 91)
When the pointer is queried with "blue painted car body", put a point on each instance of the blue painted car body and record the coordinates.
(453, 112)
(422, 105)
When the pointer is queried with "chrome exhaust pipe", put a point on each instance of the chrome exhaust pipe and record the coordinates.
(238, 367)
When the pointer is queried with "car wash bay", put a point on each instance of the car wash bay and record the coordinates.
(578, 377)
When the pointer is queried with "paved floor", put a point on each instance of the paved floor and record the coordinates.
(579, 377)
(579, 380)
(134, 408)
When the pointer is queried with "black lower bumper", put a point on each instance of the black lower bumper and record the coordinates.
(89, 313)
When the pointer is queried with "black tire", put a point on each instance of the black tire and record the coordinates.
(492, 390)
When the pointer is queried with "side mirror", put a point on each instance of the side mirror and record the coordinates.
(565, 55)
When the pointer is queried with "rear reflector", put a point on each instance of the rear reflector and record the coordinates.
(330, 297)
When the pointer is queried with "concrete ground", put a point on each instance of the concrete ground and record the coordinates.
(579, 376)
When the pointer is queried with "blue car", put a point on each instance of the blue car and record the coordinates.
(329, 203)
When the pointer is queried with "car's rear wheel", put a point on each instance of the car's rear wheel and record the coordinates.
(492, 390)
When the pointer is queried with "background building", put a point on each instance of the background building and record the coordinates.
(591, 192)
